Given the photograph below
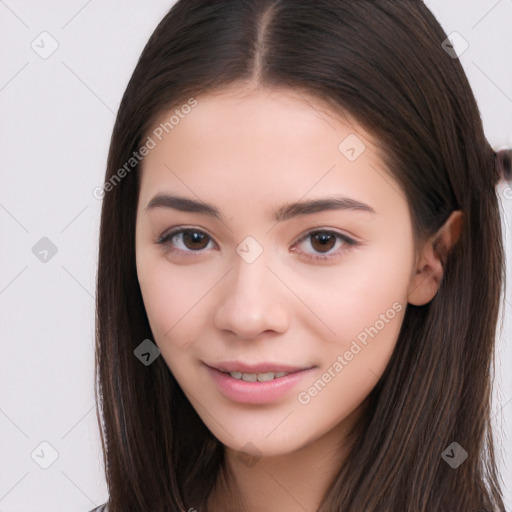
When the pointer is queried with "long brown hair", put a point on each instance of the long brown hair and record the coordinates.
(384, 63)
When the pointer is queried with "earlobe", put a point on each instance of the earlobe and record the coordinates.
(430, 268)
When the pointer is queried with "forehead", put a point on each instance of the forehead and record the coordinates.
(261, 114)
(248, 99)
(261, 144)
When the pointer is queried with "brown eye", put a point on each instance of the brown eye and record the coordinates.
(194, 239)
(185, 240)
(323, 241)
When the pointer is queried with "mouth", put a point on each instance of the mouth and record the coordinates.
(257, 384)
(260, 377)
(262, 372)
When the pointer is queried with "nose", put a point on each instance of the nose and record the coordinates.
(253, 300)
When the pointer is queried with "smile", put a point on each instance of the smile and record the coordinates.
(260, 377)
(256, 387)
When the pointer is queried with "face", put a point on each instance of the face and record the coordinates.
(256, 287)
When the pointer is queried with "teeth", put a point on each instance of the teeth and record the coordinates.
(260, 377)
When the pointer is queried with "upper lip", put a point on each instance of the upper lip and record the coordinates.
(264, 367)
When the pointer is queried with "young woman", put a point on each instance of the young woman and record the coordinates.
(300, 266)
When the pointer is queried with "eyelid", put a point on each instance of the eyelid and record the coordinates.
(331, 231)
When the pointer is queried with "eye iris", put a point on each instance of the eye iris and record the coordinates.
(324, 241)
(193, 237)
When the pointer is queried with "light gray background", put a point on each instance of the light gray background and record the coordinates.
(57, 116)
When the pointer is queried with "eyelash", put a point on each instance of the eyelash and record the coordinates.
(348, 242)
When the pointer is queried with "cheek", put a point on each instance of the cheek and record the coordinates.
(368, 288)
(174, 314)
(174, 300)
(365, 310)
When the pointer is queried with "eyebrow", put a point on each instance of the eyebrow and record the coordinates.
(283, 213)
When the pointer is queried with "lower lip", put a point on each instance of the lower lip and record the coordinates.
(256, 392)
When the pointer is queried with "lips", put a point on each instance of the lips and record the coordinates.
(256, 387)
(264, 367)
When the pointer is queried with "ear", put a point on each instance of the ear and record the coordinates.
(429, 270)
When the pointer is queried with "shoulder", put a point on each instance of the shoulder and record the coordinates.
(101, 508)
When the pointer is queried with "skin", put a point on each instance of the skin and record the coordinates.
(249, 151)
